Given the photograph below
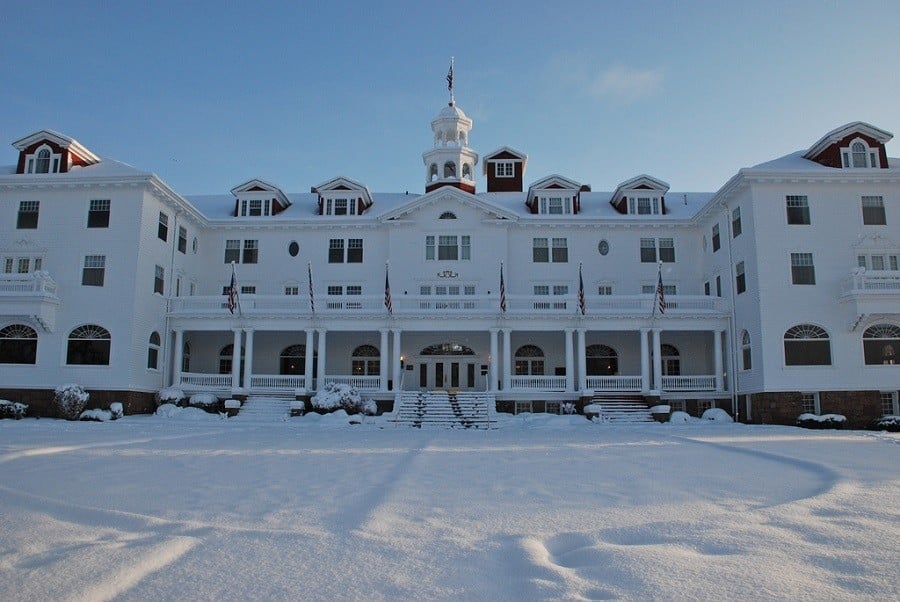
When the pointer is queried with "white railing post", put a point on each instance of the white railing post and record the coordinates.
(248, 357)
(570, 361)
(383, 360)
(321, 358)
(645, 361)
(582, 360)
(492, 369)
(657, 360)
(236, 360)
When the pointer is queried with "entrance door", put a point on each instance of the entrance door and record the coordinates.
(446, 374)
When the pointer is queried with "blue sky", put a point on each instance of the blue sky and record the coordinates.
(211, 94)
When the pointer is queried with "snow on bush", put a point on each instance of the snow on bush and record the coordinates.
(70, 400)
(680, 418)
(116, 410)
(203, 400)
(340, 396)
(716, 415)
(232, 404)
(567, 408)
(12, 409)
(96, 415)
(169, 395)
(824, 421)
(890, 423)
(660, 409)
(168, 410)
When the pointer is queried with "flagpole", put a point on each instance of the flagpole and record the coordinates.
(237, 297)
(582, 304)
(502, 290)
(450, 82)
(388, 304)
(312, 300)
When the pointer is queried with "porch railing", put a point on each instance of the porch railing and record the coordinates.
(882, 281)
(360, 383)
(614, 383)
(35, 282)
(212, 381)
(538, 383)
(278, 382)
(697, 382)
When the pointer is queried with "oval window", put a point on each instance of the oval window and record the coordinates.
(603, 247)
(293, 249)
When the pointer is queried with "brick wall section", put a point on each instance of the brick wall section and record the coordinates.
(859, 407)
(40, 401)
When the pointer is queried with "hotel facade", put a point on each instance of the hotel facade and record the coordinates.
(778, 294)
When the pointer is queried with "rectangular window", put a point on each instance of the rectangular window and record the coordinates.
(716, 241)
(429, 248)
(232, 251)
(560, 251)
(504, 169)
(178, 287)
(292, 290)
(889, 404)
(162, 231)
(24, 263)
(159, 279)
(182, 239)
(740, 279)
(706, 288)
(736, 227)
(650, 289)
(540, 251)
(718, 286)
(809, 403)
(648, 250)
(604, 289)
(667, 250)
(465, 247)
(28, 215)
(334, 290)
(873, 211)
(94, 270)
(98, 214)
(354, 289)
(541, 289)
(255, 207)
(802, 269)
(447, 248)
(555, 205)
(643, 205)
(248, 290)
(336, 250)
(251, 251)
(354, 250)
(340, 206)
(797, 206)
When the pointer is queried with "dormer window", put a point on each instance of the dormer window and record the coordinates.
(555, 205)
(859, 155)
(42, 161)
(256, 207)
(342, 206)
(504, 169)
(643, 205)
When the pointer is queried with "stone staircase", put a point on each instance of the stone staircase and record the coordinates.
(446, 409)
(621, 410)
(264, 408)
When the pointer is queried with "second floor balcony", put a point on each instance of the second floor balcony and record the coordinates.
(872, 291)
(30, 297)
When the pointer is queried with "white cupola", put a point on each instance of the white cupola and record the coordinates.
(450, 162)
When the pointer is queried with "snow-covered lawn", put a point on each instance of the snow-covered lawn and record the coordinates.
(153, 508)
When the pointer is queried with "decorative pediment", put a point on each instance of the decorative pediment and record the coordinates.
(538, 198)
(259, 198)
(645, 187)
(875, 242)
(554, 181)
(47, 151)
(504, 153)
(837, 147)
(350, 196)
(447, 196)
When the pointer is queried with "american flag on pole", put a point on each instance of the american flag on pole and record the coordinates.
(312, 297)
(387, 291)
(450, 77)
(581, 302)
(231, 303)
(660, 293)
(502, 290)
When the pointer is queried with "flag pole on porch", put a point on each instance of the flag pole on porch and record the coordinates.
(387, 290)
(582, 305)
(312, 298)
(502, 290)
(659, 299)
(233, 299)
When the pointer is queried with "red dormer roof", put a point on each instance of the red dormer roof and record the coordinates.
(827, 151)
(70, 150)
(361, 193)
(257, 188)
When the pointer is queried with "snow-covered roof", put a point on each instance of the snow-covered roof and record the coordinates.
(839, 133)
(60, 140)
(104, 168)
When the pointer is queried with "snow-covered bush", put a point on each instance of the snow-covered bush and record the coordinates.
(202, 400)
(716, 415)
(169, 395)
(96, 415)
(12, 409)
(661, 409)
(890, 423)
(340, 396)
(825, 421)
(680, 418)
(116, 410)
(567, 407)
(297, 407)
(70, 401)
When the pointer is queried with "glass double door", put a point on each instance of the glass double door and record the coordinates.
(453, 373)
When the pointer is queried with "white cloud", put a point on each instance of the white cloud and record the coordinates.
(623, 84)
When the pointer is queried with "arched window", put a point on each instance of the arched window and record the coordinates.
(88, 345)
(447, 349)
(601, 360)
(42, 165)
(671, 360)
(449, 169)
(448, 215)
(18, 344)
(226, 359)
(467, 171)
(529, 361)
(858, 150)
(366, 361)
(186, 357)
(293, 360)
(806, 345)
(880, 344)
(153, 351)
(746, 358)
(432, 172)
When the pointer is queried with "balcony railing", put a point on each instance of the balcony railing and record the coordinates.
(34, 283)
(614, 383)
(538, 383)
(32, 295)
(876, 281)
(446, 305)
(697, 382)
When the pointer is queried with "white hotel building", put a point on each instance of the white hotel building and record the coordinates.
(782, 289)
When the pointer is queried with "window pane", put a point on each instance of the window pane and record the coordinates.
(336, 250)
(873, 211)
(797, 209)
(354, 250)
(251, 251)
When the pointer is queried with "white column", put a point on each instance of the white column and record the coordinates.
(179, 357)
(657, 360)
(492, 372)
(396, 362)
(308, 362)
(570, 361)
(236, 360)
(248, 358)
(321, 369)
(507, 358)
(582, 360)
(645, 361)
(383, 359)
(717, 359)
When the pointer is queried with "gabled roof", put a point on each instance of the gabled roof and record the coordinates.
(838, 134)
(456, 194)
(642, 181)
(554, 181)
(344, 183)
(60, 140)
(256, 185)
(503, 150)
